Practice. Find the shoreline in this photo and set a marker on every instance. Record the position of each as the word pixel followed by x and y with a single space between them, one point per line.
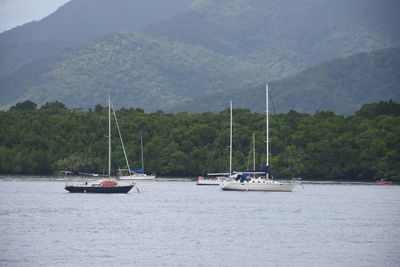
pixel 165 179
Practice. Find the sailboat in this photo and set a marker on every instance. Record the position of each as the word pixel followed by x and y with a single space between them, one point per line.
pixel 138 174
pixel 107 185
pixel 252 181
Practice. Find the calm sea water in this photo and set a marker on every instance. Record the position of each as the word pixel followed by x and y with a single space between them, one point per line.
pixel 173 223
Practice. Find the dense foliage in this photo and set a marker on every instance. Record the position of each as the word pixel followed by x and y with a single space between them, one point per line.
pixel 341 85
pixel 77 22
pixel 213 46
pixel 320 146
pixel 141 71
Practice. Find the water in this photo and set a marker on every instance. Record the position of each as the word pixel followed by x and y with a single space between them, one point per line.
pixel 180 224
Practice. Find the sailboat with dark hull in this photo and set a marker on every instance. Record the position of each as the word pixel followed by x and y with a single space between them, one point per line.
pixel 107 185
pixel 99 187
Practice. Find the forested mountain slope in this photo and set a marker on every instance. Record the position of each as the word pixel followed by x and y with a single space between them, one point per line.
pixel 77 22
pixel 210 47
pixel 285 35
pixel 341 85
pixel 139 71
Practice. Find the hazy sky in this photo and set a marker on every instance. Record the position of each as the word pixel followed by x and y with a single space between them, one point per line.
pixel 18 12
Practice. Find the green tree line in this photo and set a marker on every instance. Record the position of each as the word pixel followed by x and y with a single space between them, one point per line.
pixel 324 145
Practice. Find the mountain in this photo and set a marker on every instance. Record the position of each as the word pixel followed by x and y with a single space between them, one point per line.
pixel 341 85
pixel 285 36
pixel 136 69
pixel 79 21
pixel 211 48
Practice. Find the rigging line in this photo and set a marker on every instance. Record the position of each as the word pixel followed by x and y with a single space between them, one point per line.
pixel 212 158
pixel 249 158
pixel 215 144
pixel 239 148
pixel 120 137
pixel 237 152
pixel 240 141
pixel 141 149
pixel 240 145
pixel 90 144
pixel 284 135
pixel 252 153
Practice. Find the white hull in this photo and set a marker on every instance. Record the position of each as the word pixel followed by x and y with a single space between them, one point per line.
pixel 138 177
pixel 208 182
pixel 257 185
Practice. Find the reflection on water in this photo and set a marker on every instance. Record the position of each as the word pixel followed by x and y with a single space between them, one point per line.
pixel 173 223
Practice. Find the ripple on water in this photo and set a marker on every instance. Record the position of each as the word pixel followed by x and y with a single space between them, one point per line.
pixel 179 224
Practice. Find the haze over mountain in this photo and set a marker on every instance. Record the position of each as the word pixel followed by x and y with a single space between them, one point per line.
pixel 77 22
pixel 211 48
pixel 18 12
pixel 342 85
pixel 285 35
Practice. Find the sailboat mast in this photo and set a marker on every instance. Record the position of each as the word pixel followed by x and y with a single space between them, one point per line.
pixel 254 152
pixel 141 146
pixel 267 130
pixel 109 136
pixel 230 143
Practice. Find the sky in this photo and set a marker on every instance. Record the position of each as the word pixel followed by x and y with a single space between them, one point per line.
pixel 18 12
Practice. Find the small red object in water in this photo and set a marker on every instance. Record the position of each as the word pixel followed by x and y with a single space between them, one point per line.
pixel 384 182
pixel 108 183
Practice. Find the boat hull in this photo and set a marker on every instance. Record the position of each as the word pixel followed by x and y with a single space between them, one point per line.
pixel 137 177
pixel 208 182
pixel 122 189
pixel 250 186
pixel 384 182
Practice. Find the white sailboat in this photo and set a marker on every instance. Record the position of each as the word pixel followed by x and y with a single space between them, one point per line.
pixel 137 174
pixel 242 181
